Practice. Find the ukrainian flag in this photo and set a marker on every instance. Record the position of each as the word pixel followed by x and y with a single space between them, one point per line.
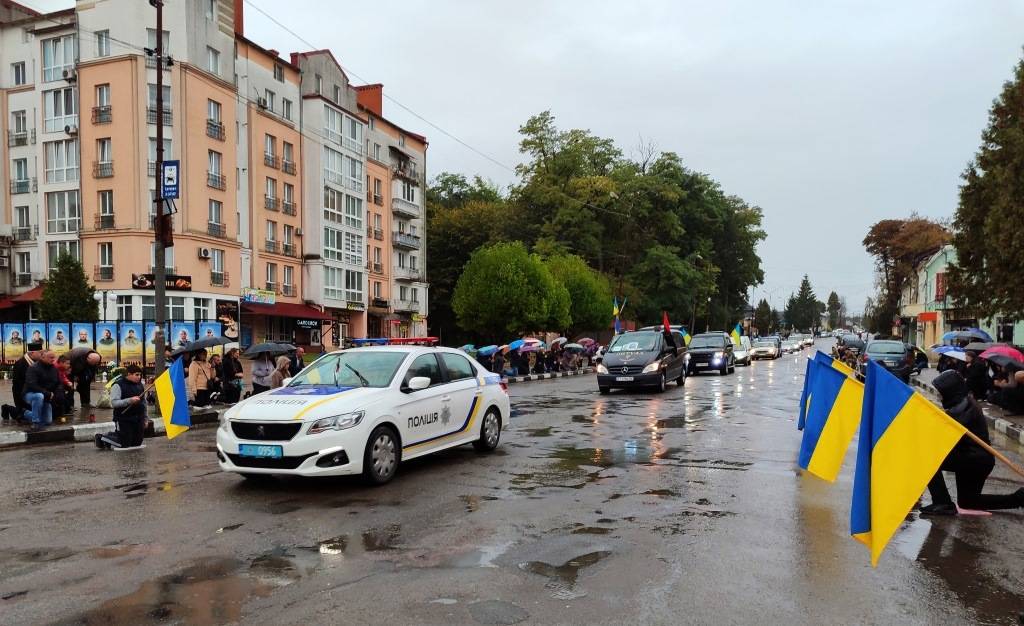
pixel 825 359
pixel 686 335
pixel 805 394
pixel 903 440
pixel 833 413
pixel 736 334
pixel 173 399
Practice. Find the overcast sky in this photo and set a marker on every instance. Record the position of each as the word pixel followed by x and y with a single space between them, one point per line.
pixel 828 115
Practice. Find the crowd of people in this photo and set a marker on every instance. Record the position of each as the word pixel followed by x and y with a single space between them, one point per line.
pixel 215 379
pixel 518 363
pixel 1001 385
pixel 44 385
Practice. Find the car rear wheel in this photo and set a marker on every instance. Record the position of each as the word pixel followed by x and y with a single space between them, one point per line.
pixel 490 432
pixel 382 455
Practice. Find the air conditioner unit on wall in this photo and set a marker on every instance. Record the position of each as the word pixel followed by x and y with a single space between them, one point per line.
pixel 298 232
pixel 204 253
pixel 70 75
pixel 71 129
pixel 261 102
pixel 5 262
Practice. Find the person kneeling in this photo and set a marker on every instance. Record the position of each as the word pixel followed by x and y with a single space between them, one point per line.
pixel 127 396
pixel 968 461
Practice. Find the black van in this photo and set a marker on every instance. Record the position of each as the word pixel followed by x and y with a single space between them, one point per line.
pixel 643 358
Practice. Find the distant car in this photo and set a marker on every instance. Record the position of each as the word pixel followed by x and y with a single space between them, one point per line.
pixel 808 340
pixel 790 346
pixel 766 348
pixel 643 358
pixel 741 352
pixel 893 355
pixel 712 351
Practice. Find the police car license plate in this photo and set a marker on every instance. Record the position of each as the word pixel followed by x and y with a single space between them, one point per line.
pixel 623 379
pixel 267 452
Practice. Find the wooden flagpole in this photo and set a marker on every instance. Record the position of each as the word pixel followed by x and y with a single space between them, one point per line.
pixel 978 440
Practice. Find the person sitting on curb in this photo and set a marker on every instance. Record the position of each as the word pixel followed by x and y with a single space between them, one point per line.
pixel 42 384
pixel 19 411
pixel 127 398
pixel 968 461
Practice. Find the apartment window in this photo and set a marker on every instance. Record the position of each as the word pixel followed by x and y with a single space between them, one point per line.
pixel 61 160
pixel 21 217
pixel 353 285
pixel 415 294
pixel 217 260
pixel 212 60
pixel 401 140
pixel 353 248
pixel 103 95
pixel 58 56
pixel 287 152
pixel 271 189
pixel 354 169
pixel 213 111
pixel 403 293
pixel 271 230
pixel 412 262
pixel 201 309
pixel 337 94
pixel 19 122
pixel 333 244
pixel 333 278
pixel 334 121
pixel 24 264
pixel 377 221
pixel 289 234
pixel 103 43
pixel 286 108
pixel 216 213
pixel 152 153
pixel 376 152
pixel 269 145
pixel 288 278
pixel 168 257
pixel 354 212
pixel 59 109
pixel 151 112
pixel 318 84
pixel 408 191
pixel 333 205
pixel 333 166
pixel 354 130
pixel 269 96
pixel 20 170
pixel 214 161
pixel 210 9
pixel 55 249
pixel 106 254
pixel 151 40
pixel 124 308
pixel 18 76
pixel 278 72
pixel 376 289
pixel 288 196
pixel 271 275
pixel 105 202
pixel 148 307
pixel 104 150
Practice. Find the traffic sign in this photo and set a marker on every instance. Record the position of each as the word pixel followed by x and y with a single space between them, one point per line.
pixel 169 179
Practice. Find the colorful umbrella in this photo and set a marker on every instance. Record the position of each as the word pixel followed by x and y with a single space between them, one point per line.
pixel 1009 351
pixel 487 350
pixel 1006 362
pixel 955 353
pixel 558 341
pixel 533 340
pixel 515 345
pixel 585 341
pixel 575 347
pixel 971 334
pixel 978 346
pixel 468 347
pixel 531 347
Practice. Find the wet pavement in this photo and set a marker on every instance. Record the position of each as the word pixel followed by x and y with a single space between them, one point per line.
pixel 682 507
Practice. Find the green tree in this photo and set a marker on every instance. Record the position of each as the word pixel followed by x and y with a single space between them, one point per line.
pixel 987 234
pixel 506 290
pixel 775 322
pixel 763 317
pixel 590 295
pixel 835 307
pixel 67 294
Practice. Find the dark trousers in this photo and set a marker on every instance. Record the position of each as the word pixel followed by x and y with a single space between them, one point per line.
pixel 129 432
pixel 232 393
pixel 84 388
pixel 970 480
pixel 256 388
pixel 202 397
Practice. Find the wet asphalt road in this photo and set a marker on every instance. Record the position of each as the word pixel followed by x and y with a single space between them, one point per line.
pixel 682 507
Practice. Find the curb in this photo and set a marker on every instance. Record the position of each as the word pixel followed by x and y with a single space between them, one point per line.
pixel 87 432
pixel 1011 430
pixel 524 379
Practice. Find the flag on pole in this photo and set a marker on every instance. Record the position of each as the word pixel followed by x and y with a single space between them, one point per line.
pixel 833 414
pixel 821 357
pixel 615 314
pixel 903 440
pixel 173 399
pixel 686 336
pixel 666 327
pixel 805 394
pixel 736 333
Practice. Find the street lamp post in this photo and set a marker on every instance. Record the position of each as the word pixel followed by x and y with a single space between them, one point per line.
pixel 102 298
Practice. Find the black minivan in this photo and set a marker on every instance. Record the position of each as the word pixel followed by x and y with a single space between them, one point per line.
pixel 643 358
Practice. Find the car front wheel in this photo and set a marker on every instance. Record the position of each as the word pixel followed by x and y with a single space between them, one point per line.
pixel 382 455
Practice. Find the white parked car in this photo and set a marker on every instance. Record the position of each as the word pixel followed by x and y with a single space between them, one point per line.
pixel 741 352
pixel 364 411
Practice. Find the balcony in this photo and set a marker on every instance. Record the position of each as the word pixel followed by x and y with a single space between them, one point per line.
pixel 378 303
pixel 215 129
pixel 215 229
pixel 103 169
pixel 270 286
pixel 102 114
pixel 23 185
pixel 151 116
pixel 151 61
pixel 406 306
pixel 288 290
pixel 408 171
pixel 103 273
pixel 407 274
pixel 104 222
pixel 288 208
pixel 377 268
pixel 405 208
pixel 270 160
pixel 288 167
pixel 23 280
pixel 24 233
pixel 378 199
pixel 20 137
pixel 216 180
pixel 353 145
pixel 170 269
pixel 271 246
pixel 289 249
pixel 271 203
pixel 219 279
pixel 403 240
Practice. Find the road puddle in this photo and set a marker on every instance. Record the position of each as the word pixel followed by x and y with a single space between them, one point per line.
pixel 563 579
pixel 539 432
pixel 592 530
pixel 382 539
pixel 473 502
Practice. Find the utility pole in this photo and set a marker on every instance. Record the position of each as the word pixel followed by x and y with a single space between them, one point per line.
pixel 162 225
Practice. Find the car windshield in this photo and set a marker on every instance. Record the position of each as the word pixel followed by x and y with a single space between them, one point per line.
pixel 635 342
pixel 764 344
pixel 352 368
pixel 887 347
pixel 707 342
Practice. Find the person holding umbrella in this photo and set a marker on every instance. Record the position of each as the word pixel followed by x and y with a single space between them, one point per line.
pixel 262 369
pixel 233 376
pixel 976 375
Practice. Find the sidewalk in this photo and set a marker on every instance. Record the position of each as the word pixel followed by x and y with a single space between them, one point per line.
pixel 525 379
pixel 1010 425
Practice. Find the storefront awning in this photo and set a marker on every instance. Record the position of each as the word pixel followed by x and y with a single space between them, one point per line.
pixel 285 309
pixel 5 303
pixel 32 295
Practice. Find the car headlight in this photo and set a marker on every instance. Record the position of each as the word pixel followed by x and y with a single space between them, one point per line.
pixel 719 355
pixel 223 419
pixel 336 422
pixel 653 367
pixel 601 369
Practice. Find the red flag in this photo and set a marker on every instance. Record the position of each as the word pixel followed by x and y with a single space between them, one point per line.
pixel 664 321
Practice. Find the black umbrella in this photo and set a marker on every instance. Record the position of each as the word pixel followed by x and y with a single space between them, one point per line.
pixel 266 348
pixel 978 346
pixel 1006 362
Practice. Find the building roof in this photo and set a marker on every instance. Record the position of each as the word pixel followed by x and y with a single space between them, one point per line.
pixel 274 54
pixel 296 55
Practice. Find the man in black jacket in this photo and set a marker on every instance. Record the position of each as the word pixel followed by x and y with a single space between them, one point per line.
pixel 970 462
pixel 42 384
pixel 84 362
pixel 20 408
pixel 976 374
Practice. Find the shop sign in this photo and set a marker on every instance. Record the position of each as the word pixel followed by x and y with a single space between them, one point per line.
pixel 172 282
pixel 354 305
pixel 258 296
pixel 307 323
pixel 416 317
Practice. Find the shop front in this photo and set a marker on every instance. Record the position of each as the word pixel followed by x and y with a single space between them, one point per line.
pixel 282 322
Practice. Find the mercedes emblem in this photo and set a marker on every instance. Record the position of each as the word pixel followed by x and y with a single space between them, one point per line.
pixel 625 370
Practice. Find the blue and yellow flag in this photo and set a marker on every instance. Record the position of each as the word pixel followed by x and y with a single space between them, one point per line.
pixel 615 315
pixel 173 399
pixel 833 413
pixel 821 357
pixel 686 335
pixel 903 440
pixel 736 334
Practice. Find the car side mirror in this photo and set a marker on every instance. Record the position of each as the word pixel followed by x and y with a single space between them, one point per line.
pixel 416 383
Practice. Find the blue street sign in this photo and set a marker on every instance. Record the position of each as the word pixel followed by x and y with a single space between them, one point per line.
pixel 169 179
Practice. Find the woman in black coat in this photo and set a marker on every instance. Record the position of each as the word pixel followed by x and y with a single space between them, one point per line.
pixel 976 375
pixel 970 462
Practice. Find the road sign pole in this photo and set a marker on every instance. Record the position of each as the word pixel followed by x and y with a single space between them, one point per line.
pixel 160 222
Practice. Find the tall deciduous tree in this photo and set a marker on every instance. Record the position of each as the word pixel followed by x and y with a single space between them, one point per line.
pixel 67 295
pixel 988 236
pixel 590 295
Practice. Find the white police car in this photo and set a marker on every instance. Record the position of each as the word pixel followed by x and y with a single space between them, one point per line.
pixel 363 411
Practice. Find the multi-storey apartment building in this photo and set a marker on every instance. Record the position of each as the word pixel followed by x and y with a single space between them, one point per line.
pixel 397 159
pixel 280 209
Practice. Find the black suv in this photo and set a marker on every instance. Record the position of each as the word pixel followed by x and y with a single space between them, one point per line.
pixel 712 351
pixel 643 358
